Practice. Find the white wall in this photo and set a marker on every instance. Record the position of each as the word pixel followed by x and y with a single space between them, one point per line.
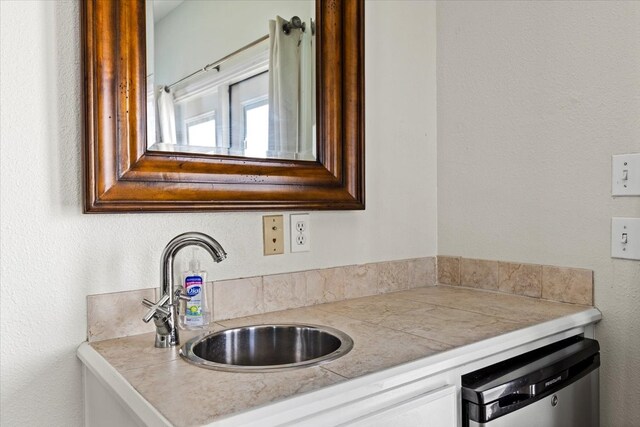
pixel 533 99
pixel 53 255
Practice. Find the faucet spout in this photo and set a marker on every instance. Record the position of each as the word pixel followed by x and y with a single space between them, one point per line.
pixel 165 312
pixel 202 240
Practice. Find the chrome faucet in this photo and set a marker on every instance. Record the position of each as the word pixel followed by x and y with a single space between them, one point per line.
pixel 165 312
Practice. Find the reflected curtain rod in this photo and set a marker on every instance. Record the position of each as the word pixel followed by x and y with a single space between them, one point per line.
pixel 216 65
pixel 294 23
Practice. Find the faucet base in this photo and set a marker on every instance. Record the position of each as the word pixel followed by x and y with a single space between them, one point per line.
pixel 167 330
pixel 166 341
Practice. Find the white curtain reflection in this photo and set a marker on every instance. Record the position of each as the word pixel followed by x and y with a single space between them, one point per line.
pixel 291 90
pixel 167 117
pixel 284 78
pixel 307 108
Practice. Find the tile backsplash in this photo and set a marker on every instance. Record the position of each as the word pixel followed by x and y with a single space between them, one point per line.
pixel 567 284
pixel 479 273
pixel 563 284
pixel 263 294
pixel 118 311
pixel 449 270
pixel 520 279
pixel 120 314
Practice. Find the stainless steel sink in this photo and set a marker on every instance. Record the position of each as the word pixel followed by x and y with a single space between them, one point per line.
pixel 267 348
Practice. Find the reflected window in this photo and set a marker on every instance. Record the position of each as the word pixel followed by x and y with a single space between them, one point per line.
pixel 256 128
pixel 201 131
pixel 249 110
pixel 206 69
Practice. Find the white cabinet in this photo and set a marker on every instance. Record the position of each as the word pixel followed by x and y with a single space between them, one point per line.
pixel 405 405
pixel 433 409
pixel 420 403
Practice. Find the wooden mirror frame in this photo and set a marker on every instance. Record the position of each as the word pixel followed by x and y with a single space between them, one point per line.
pixel 121 176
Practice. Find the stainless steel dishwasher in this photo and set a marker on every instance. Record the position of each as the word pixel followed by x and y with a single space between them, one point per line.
pixel 553 386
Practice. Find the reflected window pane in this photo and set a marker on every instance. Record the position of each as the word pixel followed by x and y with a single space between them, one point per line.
pixel 202 132
pixel 246 97
pixel 256 129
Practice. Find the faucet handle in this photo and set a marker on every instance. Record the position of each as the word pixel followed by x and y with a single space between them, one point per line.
pixel 155 308
pixel 181 295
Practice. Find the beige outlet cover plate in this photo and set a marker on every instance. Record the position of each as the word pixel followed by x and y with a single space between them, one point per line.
pixel 273 232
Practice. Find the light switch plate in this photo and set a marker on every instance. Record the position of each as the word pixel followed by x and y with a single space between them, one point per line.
pixel 625 175
pixel 273 234
pixel 625 238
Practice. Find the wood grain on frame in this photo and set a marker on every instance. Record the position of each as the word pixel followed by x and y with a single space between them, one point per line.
pixel 120 176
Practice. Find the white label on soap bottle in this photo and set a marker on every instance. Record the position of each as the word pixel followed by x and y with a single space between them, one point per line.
pixel 194 288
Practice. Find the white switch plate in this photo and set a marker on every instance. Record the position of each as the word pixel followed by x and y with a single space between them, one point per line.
pixel 300 232
pixel 625 175
pixel 625 230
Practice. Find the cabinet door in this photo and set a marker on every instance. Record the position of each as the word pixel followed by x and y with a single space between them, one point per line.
pixel 436 408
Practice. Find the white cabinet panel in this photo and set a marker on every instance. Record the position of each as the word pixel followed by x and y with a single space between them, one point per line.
pixel 102 408
pixel 434 409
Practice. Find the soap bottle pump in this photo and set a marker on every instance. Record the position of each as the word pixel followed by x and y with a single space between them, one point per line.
pixel 196 312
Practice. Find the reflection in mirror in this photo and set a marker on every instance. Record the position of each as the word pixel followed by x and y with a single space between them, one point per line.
pixel 232 78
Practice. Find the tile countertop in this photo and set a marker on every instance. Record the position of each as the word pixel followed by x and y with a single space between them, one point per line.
pixel 387 330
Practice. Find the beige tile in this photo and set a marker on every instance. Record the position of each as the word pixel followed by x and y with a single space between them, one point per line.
pixel 479 273
pixel 377 347
pixel 324 285
pixel 450 326
pixel 422 272
pixel 489 303
pixel 360 280
pixel 198 396
pixel 448 268
pixel 236 298
pixel 520 279
pixel 282 291
pixel 118 314
pixel 374 309
pixel 393 276
pixel 574 285
pixel 139 350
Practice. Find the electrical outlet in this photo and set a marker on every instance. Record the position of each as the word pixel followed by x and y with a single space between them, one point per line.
pixel 273 233
pixel 300 233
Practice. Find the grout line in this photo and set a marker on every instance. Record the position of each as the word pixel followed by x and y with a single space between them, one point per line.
pixel 334 372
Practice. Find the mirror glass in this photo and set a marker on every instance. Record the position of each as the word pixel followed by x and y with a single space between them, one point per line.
pixel 232 77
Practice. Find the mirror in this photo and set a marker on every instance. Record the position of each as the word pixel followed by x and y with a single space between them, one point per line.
pixel 231 77
pixel 128 169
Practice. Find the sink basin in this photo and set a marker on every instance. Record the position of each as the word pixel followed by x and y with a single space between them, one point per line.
pixel 267 348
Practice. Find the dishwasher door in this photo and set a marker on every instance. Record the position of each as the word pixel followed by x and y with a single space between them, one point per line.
pixel 554 386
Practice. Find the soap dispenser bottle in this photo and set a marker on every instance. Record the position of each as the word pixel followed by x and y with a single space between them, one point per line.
pixel 196 312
